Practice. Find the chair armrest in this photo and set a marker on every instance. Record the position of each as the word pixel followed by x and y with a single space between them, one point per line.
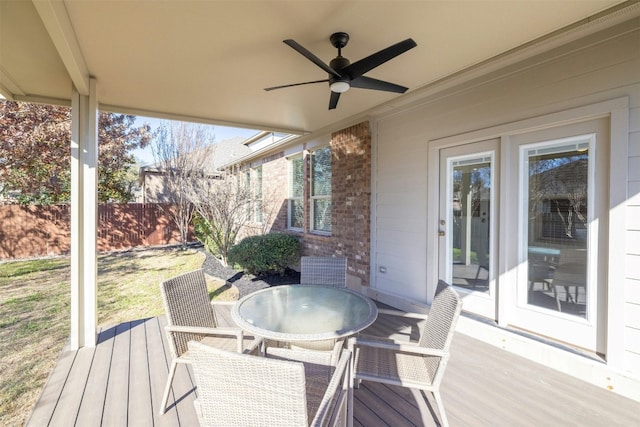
pixel 398 313
pixel 200 330
pixel 397 346
pixel 312 357
pixel 255 349
pixel 217 302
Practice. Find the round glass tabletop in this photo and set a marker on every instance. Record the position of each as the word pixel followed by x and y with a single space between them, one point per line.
pixel 304 312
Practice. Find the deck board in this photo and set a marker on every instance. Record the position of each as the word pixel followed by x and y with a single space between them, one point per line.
pixel 223 315
pixel 140 405
pixel 117 394
pixel 183 391
pixel 90 412
pixel 120 382
pixel 68 405
pixel 159 360
pixel 388 406
pixel 50 395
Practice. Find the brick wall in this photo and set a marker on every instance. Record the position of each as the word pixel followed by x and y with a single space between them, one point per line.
pixel 351 195
pixel 275 190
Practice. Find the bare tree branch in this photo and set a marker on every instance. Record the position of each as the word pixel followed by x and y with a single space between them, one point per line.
pixel 223 204
pixel 181 151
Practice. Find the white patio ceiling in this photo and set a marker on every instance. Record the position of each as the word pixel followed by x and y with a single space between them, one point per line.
pixel 210 60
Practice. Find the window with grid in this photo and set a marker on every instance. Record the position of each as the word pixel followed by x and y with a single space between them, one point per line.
pixel 257 194
pixel 321 190
pixel 296 186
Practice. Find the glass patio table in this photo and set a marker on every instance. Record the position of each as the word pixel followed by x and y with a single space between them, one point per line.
pixel 304 312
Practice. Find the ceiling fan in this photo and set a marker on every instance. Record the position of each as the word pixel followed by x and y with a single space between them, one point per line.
pixel 344 75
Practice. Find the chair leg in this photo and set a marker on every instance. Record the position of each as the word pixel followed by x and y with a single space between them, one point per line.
pixel 167 388
pixel 353 381
pixel 349 385
pixel 555 294
pixel 443 415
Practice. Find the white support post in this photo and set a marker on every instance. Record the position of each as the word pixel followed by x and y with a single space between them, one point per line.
pixel 84 217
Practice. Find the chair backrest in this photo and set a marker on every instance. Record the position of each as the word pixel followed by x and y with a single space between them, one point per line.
pixel 441 323
pixel 315 270
pixel 187 303
pixel 237 389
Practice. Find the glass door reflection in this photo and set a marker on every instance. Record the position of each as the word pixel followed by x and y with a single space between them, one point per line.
pixel 557 188
pixel 470 183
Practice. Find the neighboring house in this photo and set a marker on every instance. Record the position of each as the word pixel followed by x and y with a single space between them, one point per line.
pixel 152 177
pixel 386 198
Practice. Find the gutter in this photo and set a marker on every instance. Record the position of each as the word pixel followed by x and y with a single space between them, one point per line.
pixel 261 152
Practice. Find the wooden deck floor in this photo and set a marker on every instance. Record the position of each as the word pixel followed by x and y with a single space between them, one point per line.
pixel 120 383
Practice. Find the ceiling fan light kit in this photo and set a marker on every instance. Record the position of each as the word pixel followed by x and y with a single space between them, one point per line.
pixel 344 75
pixel 340 87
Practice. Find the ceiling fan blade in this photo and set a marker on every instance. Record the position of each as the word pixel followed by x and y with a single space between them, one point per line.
pixel 333 101
pixel 375 84
pixel 295 84
pixel 360 67
pixel 311 57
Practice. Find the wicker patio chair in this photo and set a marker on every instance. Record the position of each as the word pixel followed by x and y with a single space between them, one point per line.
pixel 191 316
pixel 245 390
pixel 315 270
pixel 418 365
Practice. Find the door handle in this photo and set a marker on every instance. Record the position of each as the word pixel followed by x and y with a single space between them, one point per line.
pixel 441 233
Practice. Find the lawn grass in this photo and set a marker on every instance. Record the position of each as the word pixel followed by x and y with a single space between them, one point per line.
pixel 35 310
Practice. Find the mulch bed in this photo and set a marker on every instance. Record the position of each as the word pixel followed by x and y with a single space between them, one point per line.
pixel 246 283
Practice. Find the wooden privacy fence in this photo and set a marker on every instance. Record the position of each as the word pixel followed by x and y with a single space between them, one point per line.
pixel 32 231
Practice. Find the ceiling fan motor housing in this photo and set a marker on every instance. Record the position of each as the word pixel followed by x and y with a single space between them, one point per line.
pixel 339 40
pixel 338 63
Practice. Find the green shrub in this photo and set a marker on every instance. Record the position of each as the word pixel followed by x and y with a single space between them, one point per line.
pixel 203 231
pixel 267 254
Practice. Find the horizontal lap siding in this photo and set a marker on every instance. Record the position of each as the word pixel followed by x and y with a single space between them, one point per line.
pixel 400 212
pixel 632 281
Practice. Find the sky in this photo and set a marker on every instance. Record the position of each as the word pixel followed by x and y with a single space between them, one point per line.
pixel 222 133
